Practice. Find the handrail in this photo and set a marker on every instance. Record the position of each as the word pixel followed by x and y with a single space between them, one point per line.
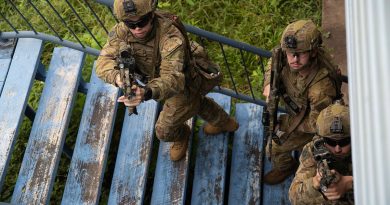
pixel 49 38
pixel 213 36
pixel 227 41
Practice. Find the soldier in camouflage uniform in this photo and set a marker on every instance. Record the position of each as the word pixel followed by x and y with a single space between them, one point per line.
pixel 305 188
pixel 161 53
pixel 308 86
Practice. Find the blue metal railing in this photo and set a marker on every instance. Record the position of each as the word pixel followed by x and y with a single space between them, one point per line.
pixel 224 44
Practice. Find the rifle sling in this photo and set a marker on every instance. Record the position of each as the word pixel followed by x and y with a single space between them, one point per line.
pixel 297 120
pixel 289 102
pixel 156 49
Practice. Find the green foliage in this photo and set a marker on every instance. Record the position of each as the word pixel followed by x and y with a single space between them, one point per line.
pixel 258 23
pixel 255 22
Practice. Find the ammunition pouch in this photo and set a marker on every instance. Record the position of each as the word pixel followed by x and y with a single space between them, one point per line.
pixel 210 77
pixel 208 71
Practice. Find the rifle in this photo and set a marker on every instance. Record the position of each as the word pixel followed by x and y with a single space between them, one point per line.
pixel 270 111
pixel 323 158
pixel 129 77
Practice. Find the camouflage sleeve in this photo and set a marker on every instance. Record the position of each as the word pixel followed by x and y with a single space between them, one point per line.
pixel 172 79
pixel 301 190
pixel 267 73
pixel 321 95
pixel 105 64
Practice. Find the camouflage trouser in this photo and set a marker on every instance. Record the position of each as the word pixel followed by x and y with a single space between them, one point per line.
pixel 282 154
pixel 178 109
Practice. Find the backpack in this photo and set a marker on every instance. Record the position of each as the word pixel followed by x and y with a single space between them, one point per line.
pixel 333 70
pixel 196 57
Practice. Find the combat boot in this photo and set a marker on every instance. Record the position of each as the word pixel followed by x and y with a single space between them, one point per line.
pixel 230 126
pixel 276 176
pixel 179 148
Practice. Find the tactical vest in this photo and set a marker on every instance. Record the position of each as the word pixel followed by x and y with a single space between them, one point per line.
pixel 202 75
pixel 295 88
pixel 147 51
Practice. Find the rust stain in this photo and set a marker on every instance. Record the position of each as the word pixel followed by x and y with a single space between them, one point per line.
pixel 88 178
pixel 102 110
pixel 218 189
pixel 144 152
pixel 124 196
pixel 40 178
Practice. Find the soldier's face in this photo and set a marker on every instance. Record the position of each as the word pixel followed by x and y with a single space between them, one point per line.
pixel 297 60
pixel 140 29
pixel 339 151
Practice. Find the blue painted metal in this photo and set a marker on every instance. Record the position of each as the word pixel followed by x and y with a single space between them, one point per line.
pixel 44 148
pixel 246 163
pixel 4 66
pixel 227 41
pixel 134 155
pixel 171 178
pixel 276 194
pixel 41 73
pixel 53 39
pixel 6 49
pixel 211 161
pixel 106 2
pixel 14 97
pixel 87 167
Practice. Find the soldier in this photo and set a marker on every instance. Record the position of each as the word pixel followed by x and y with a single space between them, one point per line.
pixel 162 56
pixel 310 82
pixel 333 132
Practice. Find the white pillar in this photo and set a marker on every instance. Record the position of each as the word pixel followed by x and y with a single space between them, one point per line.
pixel 368 51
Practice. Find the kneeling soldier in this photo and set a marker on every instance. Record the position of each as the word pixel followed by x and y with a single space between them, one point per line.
pixel 324 175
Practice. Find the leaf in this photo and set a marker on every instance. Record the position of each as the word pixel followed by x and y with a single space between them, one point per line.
pixel 190 2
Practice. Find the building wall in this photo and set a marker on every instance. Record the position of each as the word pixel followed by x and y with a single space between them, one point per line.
pixel 368 52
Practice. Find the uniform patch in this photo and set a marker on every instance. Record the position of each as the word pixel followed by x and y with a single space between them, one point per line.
pixel 112 35
pixel 172 44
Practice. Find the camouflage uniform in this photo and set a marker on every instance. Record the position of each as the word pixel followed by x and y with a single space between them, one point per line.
pixel 314 92
pixel 302 190
pixel 171 79
pixel 332 123
pixel 317 94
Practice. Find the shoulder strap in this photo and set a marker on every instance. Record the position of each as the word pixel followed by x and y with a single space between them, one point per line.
pixel 175 20
pixel 297 119
pixel 334 71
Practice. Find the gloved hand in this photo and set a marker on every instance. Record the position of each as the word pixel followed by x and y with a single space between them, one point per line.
pixel 134 101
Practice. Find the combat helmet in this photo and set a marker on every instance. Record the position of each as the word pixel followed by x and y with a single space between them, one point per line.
pixel 125 9
pixel 301 36
pixel 333 121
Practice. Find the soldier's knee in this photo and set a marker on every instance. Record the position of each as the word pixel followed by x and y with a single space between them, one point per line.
pixel 161 133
